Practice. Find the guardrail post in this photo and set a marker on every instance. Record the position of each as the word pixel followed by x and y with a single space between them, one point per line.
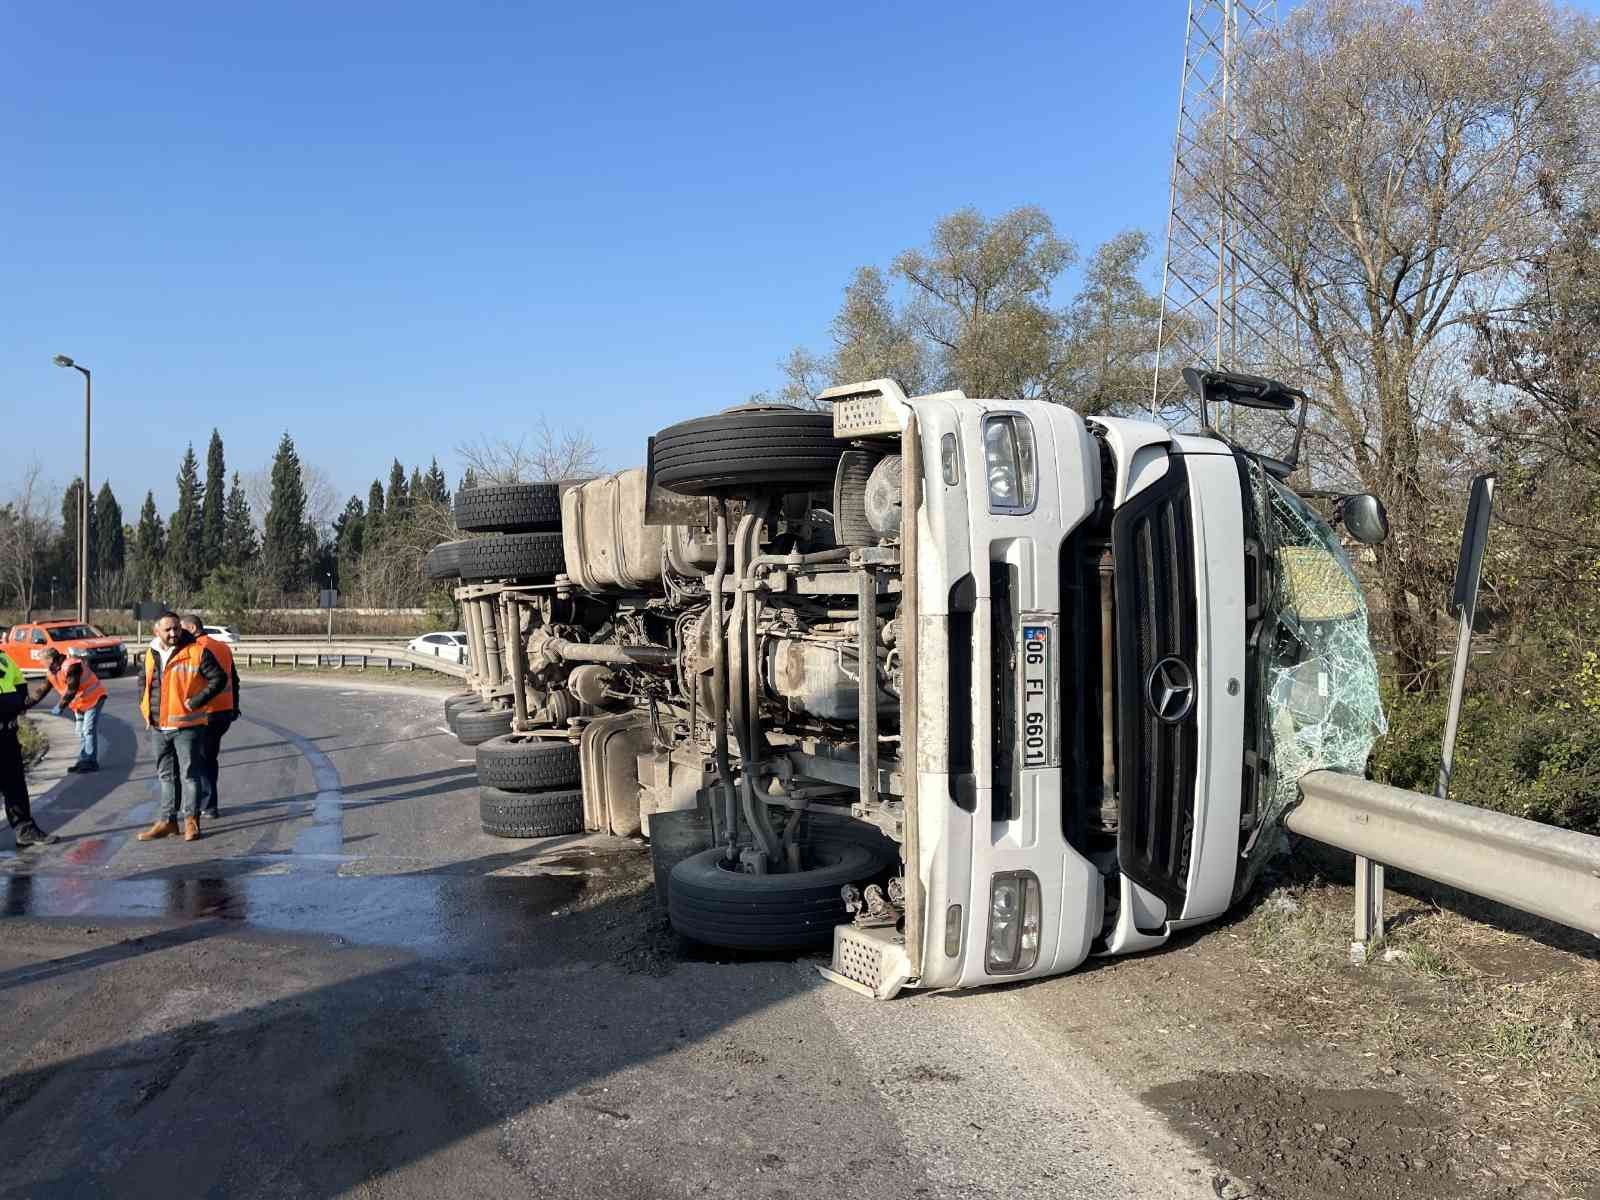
pixel 1369 908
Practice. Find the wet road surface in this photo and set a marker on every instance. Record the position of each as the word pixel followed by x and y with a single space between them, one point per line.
pixel 345 988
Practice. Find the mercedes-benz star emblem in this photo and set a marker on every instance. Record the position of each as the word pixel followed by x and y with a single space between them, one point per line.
pixel 1169 690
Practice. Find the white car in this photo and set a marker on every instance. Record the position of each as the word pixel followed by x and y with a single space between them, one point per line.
pixel 451 646
pixel 221 633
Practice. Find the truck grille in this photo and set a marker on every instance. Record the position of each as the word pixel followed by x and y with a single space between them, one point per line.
pixel 1153 547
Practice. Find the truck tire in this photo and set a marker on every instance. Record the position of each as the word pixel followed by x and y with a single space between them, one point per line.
pixel 509 508
pixel 818 824
pixel 516 764
pixel 534 556
pixel 530 814
pixel 475 726
pixel 754 450
pixel 443 561
pixel 720 907
pixel 460 703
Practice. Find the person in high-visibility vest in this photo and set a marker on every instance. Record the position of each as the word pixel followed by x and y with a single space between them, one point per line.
pixel 15 699
pixel 84 696
pixel 223 713
pixel 181 679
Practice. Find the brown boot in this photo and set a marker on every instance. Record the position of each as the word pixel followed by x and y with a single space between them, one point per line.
pixel 191 829
pixel 160 829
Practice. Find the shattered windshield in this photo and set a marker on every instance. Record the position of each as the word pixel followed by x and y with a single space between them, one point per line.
pixel 1316 670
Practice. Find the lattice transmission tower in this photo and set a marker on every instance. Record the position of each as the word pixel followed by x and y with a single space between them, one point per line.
pixel 1214 308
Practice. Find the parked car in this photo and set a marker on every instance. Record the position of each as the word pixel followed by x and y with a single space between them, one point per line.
pixel 451 646
pixel 28 644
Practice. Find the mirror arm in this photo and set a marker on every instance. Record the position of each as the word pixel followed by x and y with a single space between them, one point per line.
pixel 1299 435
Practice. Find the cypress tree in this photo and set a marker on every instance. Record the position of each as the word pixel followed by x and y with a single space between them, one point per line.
pixel 374 525
pixel 395 502
pixel 284 546
pixel 149 546
pixel 349 533
pixel 434 486
pixel 110 546
pixel 184 533
pixel 213 511
pixel 239 530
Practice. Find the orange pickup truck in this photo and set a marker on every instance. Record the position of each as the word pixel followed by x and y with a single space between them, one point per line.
pixel 29 643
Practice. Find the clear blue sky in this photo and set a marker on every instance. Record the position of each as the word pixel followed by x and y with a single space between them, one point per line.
pixel 391 228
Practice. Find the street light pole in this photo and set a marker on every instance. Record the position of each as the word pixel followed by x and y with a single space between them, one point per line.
pixel 61 360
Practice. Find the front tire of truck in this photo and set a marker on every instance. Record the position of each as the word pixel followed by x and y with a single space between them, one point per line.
pixel 709 902
pixel 747 452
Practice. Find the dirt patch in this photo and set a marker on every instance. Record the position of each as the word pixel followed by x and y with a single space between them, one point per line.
pixel 1470 1043
pixel 1306 1143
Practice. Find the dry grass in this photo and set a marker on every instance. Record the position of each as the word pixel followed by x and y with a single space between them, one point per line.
pixel 421 678
pixel 1507 1022
pixel 34 743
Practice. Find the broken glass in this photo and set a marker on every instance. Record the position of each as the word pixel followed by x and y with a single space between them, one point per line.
pixel 1316 669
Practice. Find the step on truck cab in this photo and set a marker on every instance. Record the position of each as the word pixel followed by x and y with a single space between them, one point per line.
pixel 972 688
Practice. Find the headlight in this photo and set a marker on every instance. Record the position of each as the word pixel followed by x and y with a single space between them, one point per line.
pixel 1009 463
pixel 1013 923
pixel 76 652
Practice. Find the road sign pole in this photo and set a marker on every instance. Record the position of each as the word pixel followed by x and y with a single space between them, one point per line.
pixel 1474 539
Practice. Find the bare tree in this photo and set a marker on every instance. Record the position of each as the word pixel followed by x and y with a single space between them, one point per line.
pixel 25 531
pixel 548 454
pixel 1399 159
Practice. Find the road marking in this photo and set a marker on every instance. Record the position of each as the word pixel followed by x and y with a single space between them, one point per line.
pixel 325 835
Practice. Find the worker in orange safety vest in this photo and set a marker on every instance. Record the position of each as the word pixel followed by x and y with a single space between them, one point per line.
pixel 182 681
pixel 221 713
pixel 82 694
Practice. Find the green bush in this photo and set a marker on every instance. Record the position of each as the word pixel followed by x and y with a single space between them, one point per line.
pixel 1539 760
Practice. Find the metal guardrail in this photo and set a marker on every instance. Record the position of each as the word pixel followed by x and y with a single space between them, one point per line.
pixel 365 639
pixel 341 654
pixel 1552 873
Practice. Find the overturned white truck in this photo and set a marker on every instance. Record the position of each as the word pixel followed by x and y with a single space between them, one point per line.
pixel 973 688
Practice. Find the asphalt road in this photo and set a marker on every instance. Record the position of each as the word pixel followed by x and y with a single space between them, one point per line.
pixel 345 988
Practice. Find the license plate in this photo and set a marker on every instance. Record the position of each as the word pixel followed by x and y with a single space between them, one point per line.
pixel 1040 692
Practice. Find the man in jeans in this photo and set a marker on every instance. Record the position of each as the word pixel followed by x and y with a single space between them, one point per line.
pixel 82 693
pixel 224 710
pixel 181 679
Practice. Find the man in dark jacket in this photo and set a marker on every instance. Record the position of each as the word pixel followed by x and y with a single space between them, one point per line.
pixel 15 699
pixel 182 685
pixel 217 723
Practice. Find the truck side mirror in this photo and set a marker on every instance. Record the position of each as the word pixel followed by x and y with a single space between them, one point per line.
pixel 1364 518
